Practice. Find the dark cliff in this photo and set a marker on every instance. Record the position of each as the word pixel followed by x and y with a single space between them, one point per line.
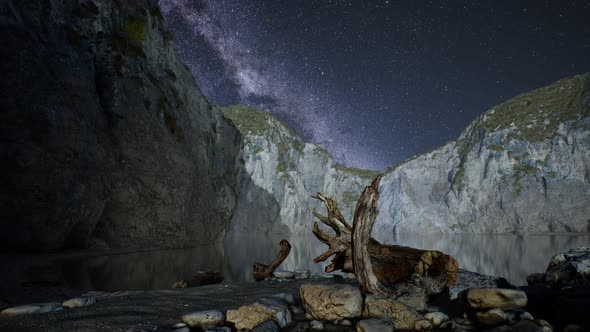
pixel 105 137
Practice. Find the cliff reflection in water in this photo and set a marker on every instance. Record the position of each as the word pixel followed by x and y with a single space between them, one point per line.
pixel 511 256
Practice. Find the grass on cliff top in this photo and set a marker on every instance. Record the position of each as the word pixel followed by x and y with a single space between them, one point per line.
pixel 537 114
pixel 250 119
pixel 363 173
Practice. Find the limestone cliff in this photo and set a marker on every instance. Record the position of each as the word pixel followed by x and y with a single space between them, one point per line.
pixel 281 172
pixel 104 135
pixel 522 166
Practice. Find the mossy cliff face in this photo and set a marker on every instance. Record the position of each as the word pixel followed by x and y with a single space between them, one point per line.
pixel 522 166
pixel 280 174
pixel 105 136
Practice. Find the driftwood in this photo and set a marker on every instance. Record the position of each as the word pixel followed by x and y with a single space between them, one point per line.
pixel 262 271
pixel 199 279
pixel 379 268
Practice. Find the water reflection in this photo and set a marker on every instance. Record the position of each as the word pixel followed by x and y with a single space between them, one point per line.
pixel 511 256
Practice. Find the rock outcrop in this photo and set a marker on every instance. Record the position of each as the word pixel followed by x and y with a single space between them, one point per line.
pixel 105 137
pixel 280 173
pixel 521 167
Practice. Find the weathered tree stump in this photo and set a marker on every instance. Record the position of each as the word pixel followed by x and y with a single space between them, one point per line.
pixel 383 270
pixel 262 271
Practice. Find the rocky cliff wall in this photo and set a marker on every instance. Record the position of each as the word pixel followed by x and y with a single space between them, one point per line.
pixel 521 167
pixel 280 174
pixel 105 138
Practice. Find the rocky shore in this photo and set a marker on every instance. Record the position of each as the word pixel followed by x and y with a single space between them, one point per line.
pixel 297 301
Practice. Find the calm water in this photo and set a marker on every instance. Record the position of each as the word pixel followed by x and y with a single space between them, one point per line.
pixel 513 257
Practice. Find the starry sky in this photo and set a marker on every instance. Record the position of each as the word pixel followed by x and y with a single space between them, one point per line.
pixel 376 82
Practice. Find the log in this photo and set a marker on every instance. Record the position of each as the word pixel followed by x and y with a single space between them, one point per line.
pixel 379 269
pixel 262 271
pixel 200 278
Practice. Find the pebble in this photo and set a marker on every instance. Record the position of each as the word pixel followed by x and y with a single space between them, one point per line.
pixel 492 317
pixel 316 325
pixel 80 301
pixel 302 274
pixel 267 326
pixel 345 322
pixel 20 310
pixel 573 328
pixel 374 325
pixel 52 306
pixel 422 325
pixel 182 329
pixel 219 329
pixel 448 325
pixel 204 319
pixel 285 297
pixel 436 318
pixel 283 274
pixel 515 316
pixel 325 275
pixel 179 325
pixel 296 309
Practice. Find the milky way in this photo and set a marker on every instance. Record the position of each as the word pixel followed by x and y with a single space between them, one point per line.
pixel 376 82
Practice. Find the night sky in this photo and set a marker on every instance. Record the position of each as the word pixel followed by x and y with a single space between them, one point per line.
pixel 376 82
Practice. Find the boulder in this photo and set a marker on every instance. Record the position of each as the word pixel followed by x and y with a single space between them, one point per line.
pixel 402 316
pixel 331 302
pixel 248 316
pixel 569 268
pixel 489 298
pixel 204 319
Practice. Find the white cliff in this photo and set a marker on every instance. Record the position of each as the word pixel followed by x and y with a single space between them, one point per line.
pixel 280 174
pixel 521 167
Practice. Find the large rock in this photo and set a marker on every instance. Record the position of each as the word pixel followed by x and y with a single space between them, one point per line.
pixel 402 316
pixel 331 302
pixel 105 136
pixel 251 315
pixel 520 167
pixel 569 268
pixel 490 298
